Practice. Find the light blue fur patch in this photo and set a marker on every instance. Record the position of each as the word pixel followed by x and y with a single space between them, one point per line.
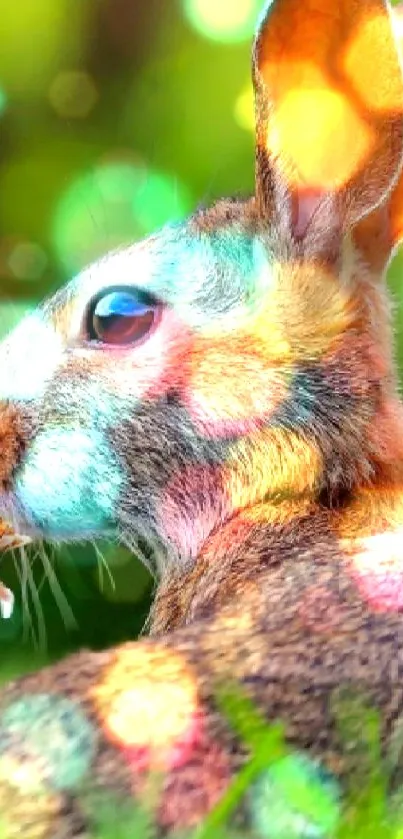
pixel 204 278
pixel 69 484
pixel 295 799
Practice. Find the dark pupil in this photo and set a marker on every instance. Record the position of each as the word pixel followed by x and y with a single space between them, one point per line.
pixel 122 317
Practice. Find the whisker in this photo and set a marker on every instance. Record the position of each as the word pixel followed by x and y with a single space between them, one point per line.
pixel 41 643
pixel 102 564
pixel 20 561
pixel 134 544
pixel 64 607
pixel 148 551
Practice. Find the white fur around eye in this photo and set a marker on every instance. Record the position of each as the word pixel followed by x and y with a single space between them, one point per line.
pixel 209 284
pixel 29 358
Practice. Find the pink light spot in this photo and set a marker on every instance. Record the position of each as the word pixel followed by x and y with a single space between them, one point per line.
pixel 377 570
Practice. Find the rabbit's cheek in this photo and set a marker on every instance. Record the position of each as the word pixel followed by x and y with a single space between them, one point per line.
pixel 233 390
pixel 141 373
pixel 69 484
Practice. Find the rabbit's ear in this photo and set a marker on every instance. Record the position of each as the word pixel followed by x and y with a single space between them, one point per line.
pixel 396 198
pixel 381 231
pixel 329 105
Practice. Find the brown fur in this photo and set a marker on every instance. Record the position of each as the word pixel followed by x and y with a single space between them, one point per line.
pixel 296 592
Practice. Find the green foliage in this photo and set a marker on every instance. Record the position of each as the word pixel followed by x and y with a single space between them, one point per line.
pixel 266 744
pixel 367 812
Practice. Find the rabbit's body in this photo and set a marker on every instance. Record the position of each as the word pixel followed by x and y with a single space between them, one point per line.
pixel 250 432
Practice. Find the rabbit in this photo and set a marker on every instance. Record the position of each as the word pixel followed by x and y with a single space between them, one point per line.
pixel 225 392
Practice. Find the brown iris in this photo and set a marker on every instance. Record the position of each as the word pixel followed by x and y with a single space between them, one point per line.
pixel 121 316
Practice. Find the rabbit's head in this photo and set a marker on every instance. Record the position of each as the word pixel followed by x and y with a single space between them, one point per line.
pixel 244 354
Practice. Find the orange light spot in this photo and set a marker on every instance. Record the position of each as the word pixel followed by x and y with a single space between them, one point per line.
pixel 372 67
pixel 307 120
pixel 375 511
pixel 24 775
pixel 313 322
pixel 28 808
pixel 233 385
pixel 148 699
pixel 270 330
pixel 283 466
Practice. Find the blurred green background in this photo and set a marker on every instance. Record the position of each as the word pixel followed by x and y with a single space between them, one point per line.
pixel 115 116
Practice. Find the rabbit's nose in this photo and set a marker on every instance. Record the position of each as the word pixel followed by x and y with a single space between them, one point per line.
pixel 12 443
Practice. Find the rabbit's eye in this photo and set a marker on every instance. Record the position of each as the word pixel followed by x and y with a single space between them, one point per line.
pixel 121 316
